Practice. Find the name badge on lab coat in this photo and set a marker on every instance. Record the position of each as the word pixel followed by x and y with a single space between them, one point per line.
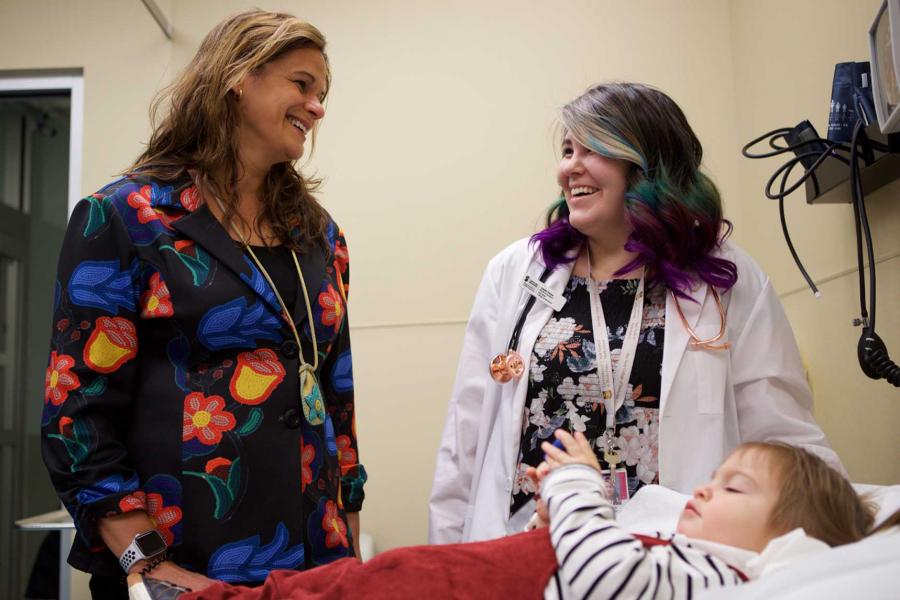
pixel 542 292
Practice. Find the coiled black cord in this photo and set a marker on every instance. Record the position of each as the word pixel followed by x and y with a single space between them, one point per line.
pixel 871 350
pixel 802 150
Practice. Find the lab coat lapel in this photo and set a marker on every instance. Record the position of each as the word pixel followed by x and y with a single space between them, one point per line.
pixel 677 337
pixel 540 314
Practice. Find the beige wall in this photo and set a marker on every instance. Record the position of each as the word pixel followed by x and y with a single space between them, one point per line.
pixel 438 151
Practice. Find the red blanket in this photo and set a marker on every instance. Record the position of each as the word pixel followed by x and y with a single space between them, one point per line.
pixel 517 566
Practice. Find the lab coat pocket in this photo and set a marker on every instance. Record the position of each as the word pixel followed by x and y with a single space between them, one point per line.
pixel 710 371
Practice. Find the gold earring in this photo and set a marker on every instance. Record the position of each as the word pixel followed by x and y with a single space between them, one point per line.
pixel 240 93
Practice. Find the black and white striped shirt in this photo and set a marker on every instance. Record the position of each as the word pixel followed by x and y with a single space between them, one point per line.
pixel 598 559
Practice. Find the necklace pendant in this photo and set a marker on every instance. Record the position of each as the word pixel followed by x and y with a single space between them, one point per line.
pixel 311 396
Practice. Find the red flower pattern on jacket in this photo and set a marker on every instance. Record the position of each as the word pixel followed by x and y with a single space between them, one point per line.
pixel 190 198
pixel 205 418
pixel 156 301
pixel 332 307
pixel 307 456
pixel 334 526
pixel 346 454
pixel 67 427
pixel 59 380
pixel 341 256
pixel 163 517
pixel 219 467
pixel 140 201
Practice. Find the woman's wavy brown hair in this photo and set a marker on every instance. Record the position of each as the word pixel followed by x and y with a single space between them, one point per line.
pixel 200 116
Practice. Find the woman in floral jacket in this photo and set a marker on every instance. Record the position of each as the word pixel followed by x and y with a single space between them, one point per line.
pixel 200 386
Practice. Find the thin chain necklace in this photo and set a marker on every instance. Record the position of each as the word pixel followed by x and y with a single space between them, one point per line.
pixel 311 396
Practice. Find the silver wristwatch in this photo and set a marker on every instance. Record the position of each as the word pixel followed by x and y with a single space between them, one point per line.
pixel 144 545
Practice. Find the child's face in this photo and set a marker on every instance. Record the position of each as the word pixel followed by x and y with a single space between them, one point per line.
pixel 735 507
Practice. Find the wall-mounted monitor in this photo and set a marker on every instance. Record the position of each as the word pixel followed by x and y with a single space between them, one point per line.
pixel 884 45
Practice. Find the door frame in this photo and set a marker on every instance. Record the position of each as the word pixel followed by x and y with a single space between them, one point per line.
pixel 72 81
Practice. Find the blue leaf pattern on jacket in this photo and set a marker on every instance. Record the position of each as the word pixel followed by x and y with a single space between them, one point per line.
pixel 245 560
pixel 342 373
pixel 260 285
pixel 330 441
pixel 178 350
pixel 100 284
pixel 114 484
pixel 234 324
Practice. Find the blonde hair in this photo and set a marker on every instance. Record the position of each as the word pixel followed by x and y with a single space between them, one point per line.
pixel 813 496
pixel 196 131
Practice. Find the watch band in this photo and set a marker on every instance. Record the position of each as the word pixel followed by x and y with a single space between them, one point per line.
pixel 135 550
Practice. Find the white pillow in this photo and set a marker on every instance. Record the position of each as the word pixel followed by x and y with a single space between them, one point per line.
pixel 886 497
pixel 866 570
pixel 653 509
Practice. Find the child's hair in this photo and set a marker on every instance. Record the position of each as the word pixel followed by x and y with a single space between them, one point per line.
pixel 814 496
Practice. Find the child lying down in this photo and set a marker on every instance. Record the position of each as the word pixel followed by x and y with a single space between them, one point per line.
pixel 767 505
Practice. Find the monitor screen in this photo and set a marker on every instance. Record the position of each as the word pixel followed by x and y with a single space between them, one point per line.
pixel 886 73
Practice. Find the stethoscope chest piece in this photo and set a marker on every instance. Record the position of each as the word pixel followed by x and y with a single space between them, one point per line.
pixel 505 367
pixel 510 365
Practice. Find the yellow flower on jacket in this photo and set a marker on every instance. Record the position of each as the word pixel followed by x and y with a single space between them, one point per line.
pixel 256 376
pixel 112 343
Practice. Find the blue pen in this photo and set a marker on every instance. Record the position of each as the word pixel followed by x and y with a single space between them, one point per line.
pixel 558 444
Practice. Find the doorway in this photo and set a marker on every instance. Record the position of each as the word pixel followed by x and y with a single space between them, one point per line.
pixel 36 118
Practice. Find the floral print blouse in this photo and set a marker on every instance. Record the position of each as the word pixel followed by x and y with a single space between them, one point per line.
pixel 563 385
pixel 173 385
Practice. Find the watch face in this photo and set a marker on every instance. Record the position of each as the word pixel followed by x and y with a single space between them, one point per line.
pixel 150 543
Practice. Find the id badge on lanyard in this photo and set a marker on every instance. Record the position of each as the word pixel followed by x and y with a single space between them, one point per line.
pixel 614 383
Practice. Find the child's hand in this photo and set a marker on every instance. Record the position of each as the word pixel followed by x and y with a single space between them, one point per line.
pixel 577 451
pixel 541 516
pixel 537 474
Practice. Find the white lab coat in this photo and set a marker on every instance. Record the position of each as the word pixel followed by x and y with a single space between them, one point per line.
pixel 710 401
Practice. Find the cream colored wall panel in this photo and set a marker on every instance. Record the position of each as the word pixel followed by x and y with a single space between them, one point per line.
pixel 404 376
pixel 861 416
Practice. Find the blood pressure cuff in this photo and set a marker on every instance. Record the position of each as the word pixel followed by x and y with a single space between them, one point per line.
pixel 851 100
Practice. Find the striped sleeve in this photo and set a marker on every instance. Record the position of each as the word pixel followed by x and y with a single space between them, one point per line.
pixel 597 559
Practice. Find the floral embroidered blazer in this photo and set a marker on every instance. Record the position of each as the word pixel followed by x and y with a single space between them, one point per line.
pixel 173 388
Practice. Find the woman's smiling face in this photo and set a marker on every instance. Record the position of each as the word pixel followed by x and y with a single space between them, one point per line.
pixel 594 186
pixel 279 104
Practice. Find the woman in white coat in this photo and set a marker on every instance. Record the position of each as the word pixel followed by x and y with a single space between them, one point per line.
pixel 629 318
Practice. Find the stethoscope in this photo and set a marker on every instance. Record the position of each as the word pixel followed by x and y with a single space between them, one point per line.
pixel 510 365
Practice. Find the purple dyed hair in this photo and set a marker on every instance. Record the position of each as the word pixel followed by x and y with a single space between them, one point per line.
pixel 675 210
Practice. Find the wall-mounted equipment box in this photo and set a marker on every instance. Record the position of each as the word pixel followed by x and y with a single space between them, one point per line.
pixel 831 182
